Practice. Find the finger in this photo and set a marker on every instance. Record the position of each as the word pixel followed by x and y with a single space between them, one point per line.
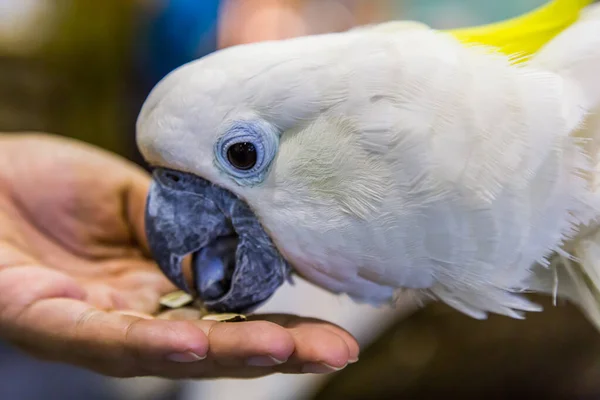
pixel 113 343
pixel 42 311
pixel 256 343
pixel 261 344
pixel 317 350
pixel 315 347
pixel 351 342
pixel 135 198
pixel 258 348
pixel 266 344
pixel 134 313
pixel 313 324
pixel 181 314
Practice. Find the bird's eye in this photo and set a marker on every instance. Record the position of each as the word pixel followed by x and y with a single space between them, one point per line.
pixel 246 150
pixel 242 155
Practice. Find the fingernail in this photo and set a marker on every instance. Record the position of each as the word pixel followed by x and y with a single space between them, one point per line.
pixel 263 361
pixel 313 368
pixel 353 361
pixel 186 357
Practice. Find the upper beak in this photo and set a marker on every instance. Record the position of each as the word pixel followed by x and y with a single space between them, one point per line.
pixel 236 266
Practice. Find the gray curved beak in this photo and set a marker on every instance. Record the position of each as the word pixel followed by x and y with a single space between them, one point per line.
pixel 235 265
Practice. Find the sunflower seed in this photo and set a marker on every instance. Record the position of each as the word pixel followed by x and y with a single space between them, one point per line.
pixel 225 317
pixel 176 299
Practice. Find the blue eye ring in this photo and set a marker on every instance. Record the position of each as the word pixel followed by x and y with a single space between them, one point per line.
pixel 257 134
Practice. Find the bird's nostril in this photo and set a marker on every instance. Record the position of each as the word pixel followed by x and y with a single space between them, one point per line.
pixel 172 177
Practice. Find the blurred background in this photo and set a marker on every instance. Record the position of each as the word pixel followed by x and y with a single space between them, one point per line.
pixel 82 69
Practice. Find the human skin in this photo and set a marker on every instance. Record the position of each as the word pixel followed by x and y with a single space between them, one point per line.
pixel 78 285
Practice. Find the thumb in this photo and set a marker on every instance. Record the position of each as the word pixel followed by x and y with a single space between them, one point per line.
pixel 136 194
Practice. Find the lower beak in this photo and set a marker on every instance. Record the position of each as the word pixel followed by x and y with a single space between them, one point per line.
pixel 235 265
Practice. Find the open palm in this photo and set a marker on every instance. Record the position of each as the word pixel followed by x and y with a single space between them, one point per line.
pixel 77 283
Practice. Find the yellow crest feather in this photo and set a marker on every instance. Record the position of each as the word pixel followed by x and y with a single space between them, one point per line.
pixel 524 35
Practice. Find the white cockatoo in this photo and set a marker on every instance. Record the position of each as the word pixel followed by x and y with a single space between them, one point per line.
pixel 458 166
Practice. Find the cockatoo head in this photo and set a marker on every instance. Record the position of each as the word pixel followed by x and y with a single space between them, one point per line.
pixel 213 131
pixel 248 170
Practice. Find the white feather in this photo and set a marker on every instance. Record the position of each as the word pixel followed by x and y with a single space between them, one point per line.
pixel 407 161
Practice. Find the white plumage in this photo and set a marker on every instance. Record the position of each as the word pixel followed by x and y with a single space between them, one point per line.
pixel 409 161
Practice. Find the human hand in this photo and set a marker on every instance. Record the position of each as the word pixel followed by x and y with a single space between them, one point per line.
pixel 77 284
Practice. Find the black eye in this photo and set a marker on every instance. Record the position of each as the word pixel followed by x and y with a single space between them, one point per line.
pixel 242 155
